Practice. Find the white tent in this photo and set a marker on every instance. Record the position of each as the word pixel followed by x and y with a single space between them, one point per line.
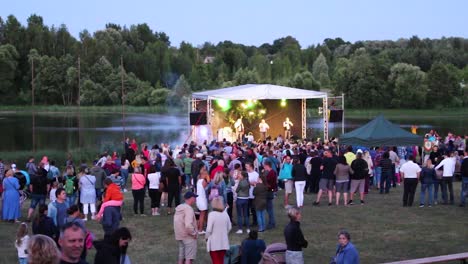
pixel 262 92
pixel 258 92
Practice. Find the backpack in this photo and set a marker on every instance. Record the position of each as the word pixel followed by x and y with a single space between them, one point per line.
pixel 214 192
pixel 52 173
pixel 70 185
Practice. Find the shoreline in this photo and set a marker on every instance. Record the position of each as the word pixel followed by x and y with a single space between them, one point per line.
pixel 349 113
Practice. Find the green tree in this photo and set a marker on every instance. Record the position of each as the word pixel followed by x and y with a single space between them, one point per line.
pixel 246 76
pixel 304 80
pixel 409 86
pixel 444 87
pixel 320 71
pixel 8 66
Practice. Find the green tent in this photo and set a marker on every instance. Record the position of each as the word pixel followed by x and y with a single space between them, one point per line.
pixel 380 132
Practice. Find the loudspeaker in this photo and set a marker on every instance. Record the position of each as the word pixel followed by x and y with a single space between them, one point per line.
pixel 336 116
pixel 197 118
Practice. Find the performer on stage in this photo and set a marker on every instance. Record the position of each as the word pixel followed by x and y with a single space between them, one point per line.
pixel 287 128
pixel 239 127
pixel 263 126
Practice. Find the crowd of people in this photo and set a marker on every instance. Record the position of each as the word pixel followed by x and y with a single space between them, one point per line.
pixel 232 185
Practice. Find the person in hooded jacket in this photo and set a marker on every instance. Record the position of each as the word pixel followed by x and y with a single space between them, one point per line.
pixel 114 249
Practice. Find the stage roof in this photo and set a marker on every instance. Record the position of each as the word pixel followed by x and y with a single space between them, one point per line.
pixel 258 92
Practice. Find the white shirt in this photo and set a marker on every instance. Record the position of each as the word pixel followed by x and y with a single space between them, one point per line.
pixel 449 166
pixel 263 127
pixel 52 196
pixel 410 170
pixel 21 249
pixel 238 125
pixel 153 179
pixel 253 178
pixel 287 125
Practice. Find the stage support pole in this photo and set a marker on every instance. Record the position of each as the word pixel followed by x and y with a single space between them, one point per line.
pixel 208 111
pixel 342 119
pixel 325 118
pixel 304 117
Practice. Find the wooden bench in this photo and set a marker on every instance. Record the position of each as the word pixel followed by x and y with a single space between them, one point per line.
pixel 462 257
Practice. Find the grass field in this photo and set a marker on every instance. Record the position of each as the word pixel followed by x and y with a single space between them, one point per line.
pixel 382 230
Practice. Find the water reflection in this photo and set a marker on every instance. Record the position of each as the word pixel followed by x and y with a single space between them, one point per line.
pixel 63 132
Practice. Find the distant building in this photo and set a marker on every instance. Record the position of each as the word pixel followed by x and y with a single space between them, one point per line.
pixel 209 59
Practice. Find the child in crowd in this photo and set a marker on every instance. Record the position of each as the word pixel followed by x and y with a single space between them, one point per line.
pixel 113 197
pixel 52 196
pixel 21 243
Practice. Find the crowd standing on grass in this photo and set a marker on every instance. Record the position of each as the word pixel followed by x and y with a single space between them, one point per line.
pixel 228 184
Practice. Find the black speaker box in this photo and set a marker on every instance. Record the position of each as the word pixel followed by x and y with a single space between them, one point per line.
pixel 336 115
pixel 197 118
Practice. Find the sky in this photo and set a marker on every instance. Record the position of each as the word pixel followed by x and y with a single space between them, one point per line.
pixel 254 22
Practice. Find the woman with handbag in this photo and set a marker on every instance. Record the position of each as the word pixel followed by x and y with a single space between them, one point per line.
pixel 154 189
pixel 138 191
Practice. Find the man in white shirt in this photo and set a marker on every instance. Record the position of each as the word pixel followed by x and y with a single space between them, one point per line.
pixel 447 176
pixel 239 127
pixel 253 178
pixel 263 126
pixel 410 172
pixel 287 128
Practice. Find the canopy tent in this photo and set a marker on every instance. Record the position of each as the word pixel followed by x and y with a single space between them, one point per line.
pixel 258 92
pixel 380 132
pixel 262 92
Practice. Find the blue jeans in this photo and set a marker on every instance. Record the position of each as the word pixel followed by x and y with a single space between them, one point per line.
pixel 188 180
pixel 37 199
pixel 71 199
pixel 99 194
pixel 437 185
pixel 385 179
pixel 23 260
pixel 447 182
pixel 271 214
pixel 242 206
pixel 261 220
pixel 124 174
pixel 377 175
pixel 464 190
pixel 429 187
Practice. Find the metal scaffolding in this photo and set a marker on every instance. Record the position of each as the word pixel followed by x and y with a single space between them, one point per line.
pixel 304 117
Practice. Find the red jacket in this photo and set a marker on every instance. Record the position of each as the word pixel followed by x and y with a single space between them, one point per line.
pixel 113 193
pixel 215 170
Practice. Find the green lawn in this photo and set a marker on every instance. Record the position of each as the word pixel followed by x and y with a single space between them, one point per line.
pixel 382 230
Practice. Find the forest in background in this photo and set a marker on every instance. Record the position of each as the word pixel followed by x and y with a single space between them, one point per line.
pixel 403 73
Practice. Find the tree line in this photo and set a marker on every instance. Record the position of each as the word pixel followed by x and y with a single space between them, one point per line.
pixel 406 73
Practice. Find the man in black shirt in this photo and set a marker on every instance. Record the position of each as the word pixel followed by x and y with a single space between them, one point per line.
pixel 360 172
pixel 328 177
pixel 39 188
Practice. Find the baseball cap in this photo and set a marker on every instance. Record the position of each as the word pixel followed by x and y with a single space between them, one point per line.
pixel 359 151
pixel 189 195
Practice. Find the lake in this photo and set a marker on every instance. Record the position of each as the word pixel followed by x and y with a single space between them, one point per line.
pixel 104 131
